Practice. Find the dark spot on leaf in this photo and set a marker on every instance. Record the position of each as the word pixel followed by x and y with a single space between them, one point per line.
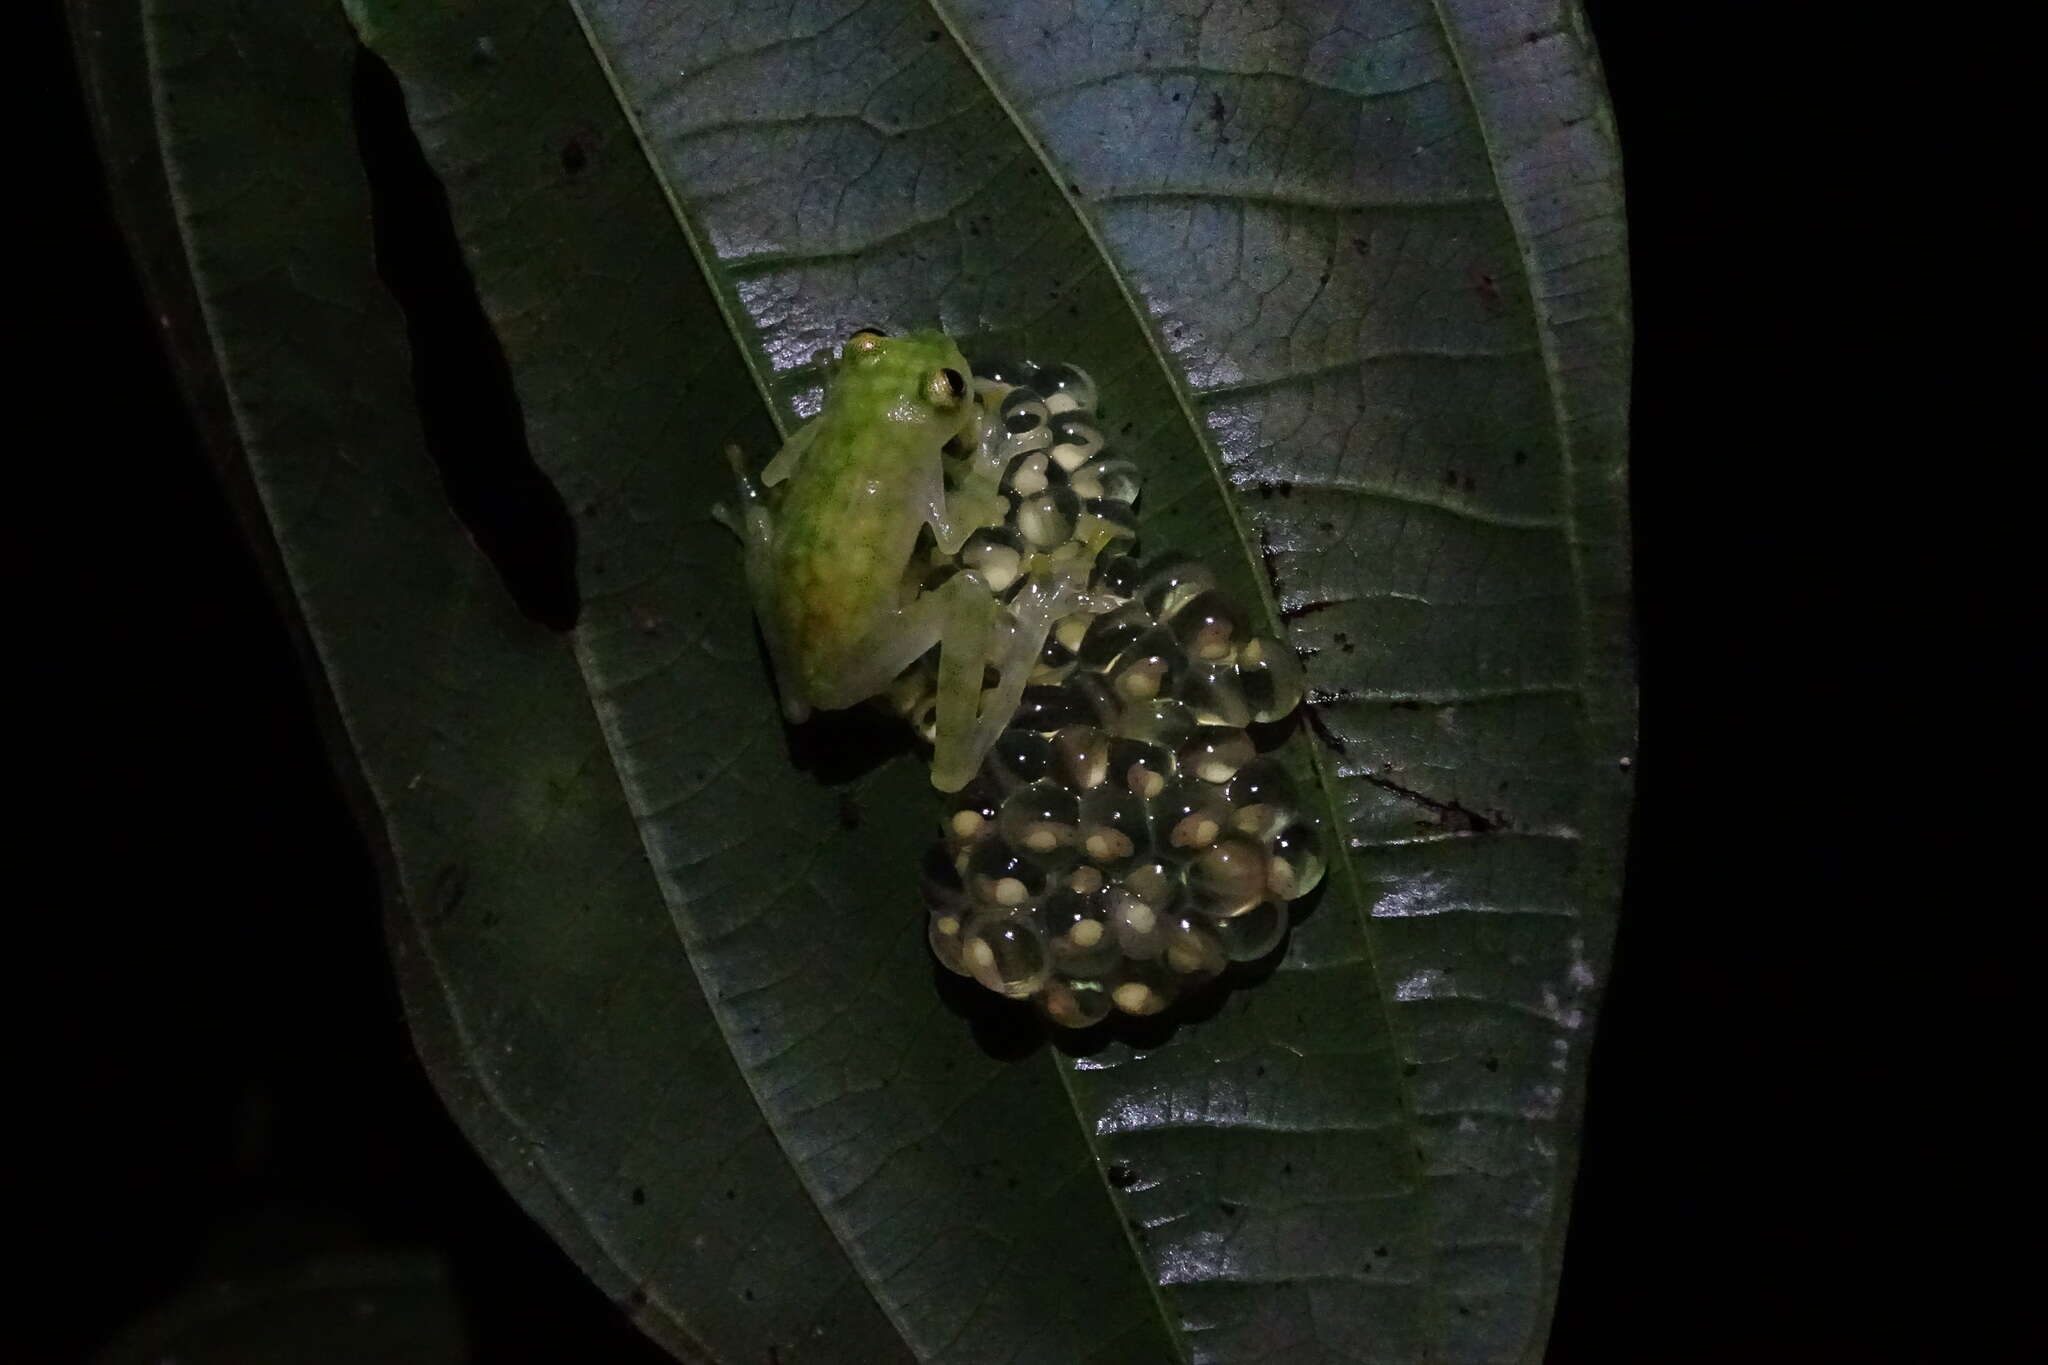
pixel 450 886
pixel 1176 97
pixel 1358 245
pixel 1286 488
pixel 636 1298
pixel 1410 1069
pixel 1521 457
pixel 1463 1311
pixel 1492 1063
pixel 1532 37
pixel 1259 1070
pixel 1229 1207
pixel 1121 1175
pixel 732 1194
pixel 849 811
pixel 933 36
pixel 1322 729
pixel 747 1294
pixel 1379 1251
pixel 469 412
pixel 1450 478
pixel 1488 290
pixel 574 158
pixel 1217 111
pixel 1469 484
pixel 639 1195
pixel 1287 1168
pixel 1323 279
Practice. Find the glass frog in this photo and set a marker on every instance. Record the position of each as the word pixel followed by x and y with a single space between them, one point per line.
pixel 845 599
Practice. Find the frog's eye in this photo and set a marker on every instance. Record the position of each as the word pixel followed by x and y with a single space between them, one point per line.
pixel 945 388
pixel 866 342
pixel 867 332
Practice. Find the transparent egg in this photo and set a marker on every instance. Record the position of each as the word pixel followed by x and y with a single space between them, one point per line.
pixel 1138 927
pixel 1148 669
pixel 1026 476
pixel 1271 677
pixel 1075 1003
pixel 1217 753
pixel 1188 817
pixel 1140 768
pixel 1023 413
pixel 1262 799
pixel 1228 877
pixel 1104 520
pixel 1255 933
pixel 1003 876
pixel 1209 626
pixel 1066 388
pixel 1211 692
pixel 1078 932
pixel 1143 988
pixel 1167 723
pixel 1296 863
pixel 1049 518
pixel 1005 951
pixel 942 931
pixel 971 811
pixel 1081 755
pixel 1171 582
pixel 1075 442
pixel 1111 478
pixel 1112 827
pixel 997 554
pixel 1040 819
pixel 1008 371
pixel 1111 633
pixel 1192 948
pixel 1044 708
pixel 1156 883
pixel 1069 631
pixel 1117 574
pixel 1019 757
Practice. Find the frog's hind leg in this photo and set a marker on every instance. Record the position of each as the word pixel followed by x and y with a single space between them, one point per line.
pixel 756 530
pixel 969 720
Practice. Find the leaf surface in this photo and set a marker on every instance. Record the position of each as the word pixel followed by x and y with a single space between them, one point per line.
pixel 1351 281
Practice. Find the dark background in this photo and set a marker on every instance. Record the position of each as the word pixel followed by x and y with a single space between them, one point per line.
pixel 223 1073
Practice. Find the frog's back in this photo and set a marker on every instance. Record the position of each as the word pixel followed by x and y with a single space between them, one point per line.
pixel 853 504
pixel 849 523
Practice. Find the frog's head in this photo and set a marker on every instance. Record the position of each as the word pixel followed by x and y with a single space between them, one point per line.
pixel 918 381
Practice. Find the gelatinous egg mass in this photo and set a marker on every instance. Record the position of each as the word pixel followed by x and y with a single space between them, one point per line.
pixel 1125 839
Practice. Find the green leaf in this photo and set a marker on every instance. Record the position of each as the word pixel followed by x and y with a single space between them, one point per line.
pixel 1353 287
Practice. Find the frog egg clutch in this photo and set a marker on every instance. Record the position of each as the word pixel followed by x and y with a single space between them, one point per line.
pixel 1123 840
